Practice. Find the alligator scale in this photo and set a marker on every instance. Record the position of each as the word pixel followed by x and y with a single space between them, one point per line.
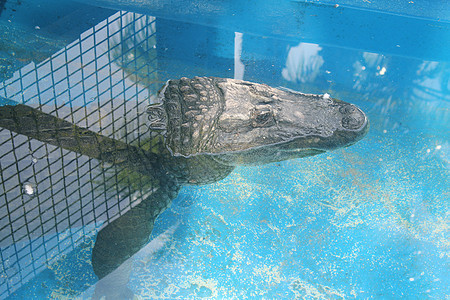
pixel 209 125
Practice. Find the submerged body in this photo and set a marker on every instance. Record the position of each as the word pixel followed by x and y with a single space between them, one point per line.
pixel 209 125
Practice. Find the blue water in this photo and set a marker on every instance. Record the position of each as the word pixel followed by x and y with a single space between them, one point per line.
pixel 366 222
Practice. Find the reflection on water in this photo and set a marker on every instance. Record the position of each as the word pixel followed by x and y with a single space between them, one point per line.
pixel 303 63
pixel 367 220
pixel 377 77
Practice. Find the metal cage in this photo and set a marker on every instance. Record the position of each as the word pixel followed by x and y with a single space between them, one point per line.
pixel 52 199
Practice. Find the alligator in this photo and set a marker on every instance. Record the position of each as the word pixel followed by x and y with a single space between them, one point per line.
pixel 209 126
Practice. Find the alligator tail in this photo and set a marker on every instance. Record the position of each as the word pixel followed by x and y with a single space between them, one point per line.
pixel 49 129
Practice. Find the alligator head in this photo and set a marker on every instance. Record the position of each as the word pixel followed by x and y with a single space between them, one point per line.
pixel 239 122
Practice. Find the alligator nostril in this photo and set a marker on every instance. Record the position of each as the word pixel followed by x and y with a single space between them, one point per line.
pixel 353 121
pixel 347 109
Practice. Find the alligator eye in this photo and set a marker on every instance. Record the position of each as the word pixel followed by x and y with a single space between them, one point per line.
pixel 262 118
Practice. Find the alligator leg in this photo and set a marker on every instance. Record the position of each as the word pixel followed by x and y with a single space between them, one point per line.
pixel 126 235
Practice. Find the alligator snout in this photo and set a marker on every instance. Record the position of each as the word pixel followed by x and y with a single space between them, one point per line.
pixel 352 118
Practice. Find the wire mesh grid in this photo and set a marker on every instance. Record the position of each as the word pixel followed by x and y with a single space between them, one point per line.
pixel 51 199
